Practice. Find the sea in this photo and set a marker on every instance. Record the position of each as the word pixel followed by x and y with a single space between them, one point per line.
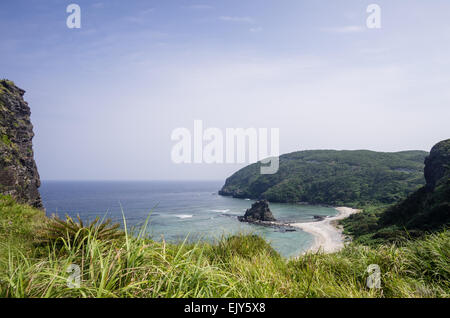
pixel 176 210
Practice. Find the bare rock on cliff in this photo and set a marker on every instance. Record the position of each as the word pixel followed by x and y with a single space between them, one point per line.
pixel 437 164
pixel 258 212
pixel 18 172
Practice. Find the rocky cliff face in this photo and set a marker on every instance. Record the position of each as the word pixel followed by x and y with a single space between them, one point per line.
pixel 18 172
pixel 437 164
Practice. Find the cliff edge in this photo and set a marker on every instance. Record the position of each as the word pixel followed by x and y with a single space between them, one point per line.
pixel 18 172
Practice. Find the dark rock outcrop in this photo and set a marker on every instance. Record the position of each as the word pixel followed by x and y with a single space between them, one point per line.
pixel 18 172
pixel 437 164
pixel 259 212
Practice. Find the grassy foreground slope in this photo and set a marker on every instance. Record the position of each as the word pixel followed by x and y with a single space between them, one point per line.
pixel 35 253
pixel 352 178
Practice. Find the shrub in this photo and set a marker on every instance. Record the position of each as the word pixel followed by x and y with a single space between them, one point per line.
pixel 73 232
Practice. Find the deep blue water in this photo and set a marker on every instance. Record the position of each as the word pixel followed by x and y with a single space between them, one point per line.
pixel 178 209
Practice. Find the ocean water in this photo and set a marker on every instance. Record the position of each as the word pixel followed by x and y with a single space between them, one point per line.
pixel 177 209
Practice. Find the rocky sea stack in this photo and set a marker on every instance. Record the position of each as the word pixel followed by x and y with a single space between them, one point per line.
pixel 259 212
pixel 18 172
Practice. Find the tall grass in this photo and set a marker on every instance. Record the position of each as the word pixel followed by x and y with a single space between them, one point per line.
pixel 239 266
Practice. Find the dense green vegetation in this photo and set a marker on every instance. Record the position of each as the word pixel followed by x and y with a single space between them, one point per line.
pixel 353 178
pixel 426 210
pixel 114 264
pixel 5 139
pixel 4 84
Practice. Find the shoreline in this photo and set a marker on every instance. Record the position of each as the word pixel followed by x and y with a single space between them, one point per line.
pixel 328 237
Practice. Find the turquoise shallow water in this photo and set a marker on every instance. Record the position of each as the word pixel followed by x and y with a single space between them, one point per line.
pixel 178 210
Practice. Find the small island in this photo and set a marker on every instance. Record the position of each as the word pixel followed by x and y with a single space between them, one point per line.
pixel 259 212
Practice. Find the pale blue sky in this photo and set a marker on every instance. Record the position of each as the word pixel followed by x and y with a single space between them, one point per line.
pixel 106 98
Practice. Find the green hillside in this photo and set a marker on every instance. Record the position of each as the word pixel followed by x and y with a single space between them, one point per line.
pixel 425 210
pixel 333 177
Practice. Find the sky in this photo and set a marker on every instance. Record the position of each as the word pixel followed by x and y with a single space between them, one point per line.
pixel 105 98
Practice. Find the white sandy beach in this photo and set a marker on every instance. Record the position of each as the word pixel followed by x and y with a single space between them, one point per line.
pixel 328 237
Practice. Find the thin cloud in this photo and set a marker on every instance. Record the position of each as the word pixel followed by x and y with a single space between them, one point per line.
pixel 256 30
pixel 141 17
pixel 200 7
pixel 237 19
pixel 98 5
pixel 374 51
pixel 345 29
